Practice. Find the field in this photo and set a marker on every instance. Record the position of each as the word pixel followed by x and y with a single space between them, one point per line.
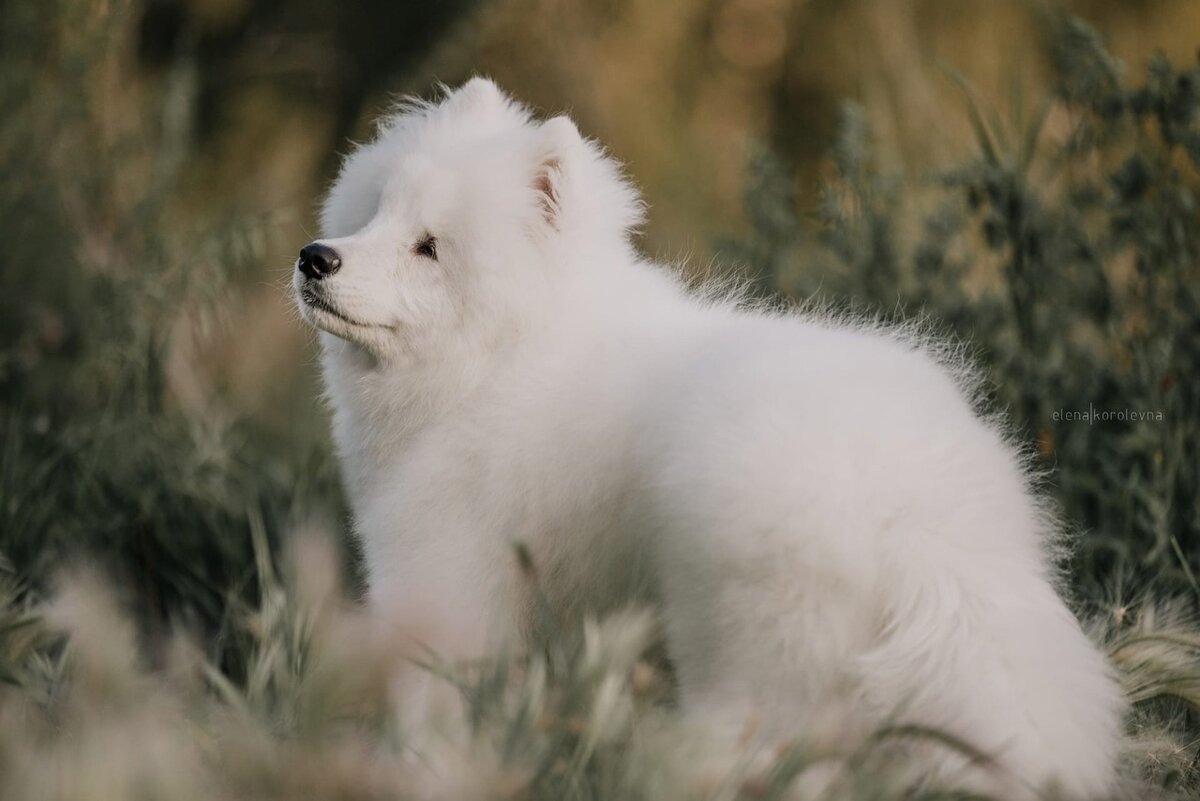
pixel 178 576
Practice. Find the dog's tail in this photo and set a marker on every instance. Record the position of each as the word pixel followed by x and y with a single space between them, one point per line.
pixel 999 662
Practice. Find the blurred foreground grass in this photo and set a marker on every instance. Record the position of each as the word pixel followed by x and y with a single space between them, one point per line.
pixel 582 714
pixel 153 643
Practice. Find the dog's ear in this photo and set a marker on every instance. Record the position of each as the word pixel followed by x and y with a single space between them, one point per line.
pixel 479 94
pixel 560 141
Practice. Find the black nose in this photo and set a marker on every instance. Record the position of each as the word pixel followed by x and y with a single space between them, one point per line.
pixel 317 260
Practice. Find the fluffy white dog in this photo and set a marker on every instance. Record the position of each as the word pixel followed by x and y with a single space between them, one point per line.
pixel 824 520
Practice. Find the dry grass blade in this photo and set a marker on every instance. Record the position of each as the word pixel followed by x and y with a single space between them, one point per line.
pixel 984 135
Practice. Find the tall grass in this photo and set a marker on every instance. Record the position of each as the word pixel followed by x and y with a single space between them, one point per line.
pixel 165 633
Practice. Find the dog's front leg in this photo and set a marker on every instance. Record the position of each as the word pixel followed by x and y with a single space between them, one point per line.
pixel 450 601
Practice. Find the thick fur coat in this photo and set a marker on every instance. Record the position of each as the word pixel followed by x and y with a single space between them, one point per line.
pixel 825 522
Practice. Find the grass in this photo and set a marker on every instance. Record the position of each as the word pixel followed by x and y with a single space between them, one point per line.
pixel 173 624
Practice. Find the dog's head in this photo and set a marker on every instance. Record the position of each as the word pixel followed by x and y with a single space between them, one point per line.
pixel 453 224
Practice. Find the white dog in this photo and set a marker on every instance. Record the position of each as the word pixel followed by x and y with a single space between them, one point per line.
pixel 823 519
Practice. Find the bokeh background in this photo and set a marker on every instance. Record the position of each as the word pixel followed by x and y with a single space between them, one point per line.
pixel 256 99
pixel 1020 174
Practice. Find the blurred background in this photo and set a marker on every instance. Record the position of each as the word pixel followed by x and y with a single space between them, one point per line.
pixel 248 104
pixel 1022 172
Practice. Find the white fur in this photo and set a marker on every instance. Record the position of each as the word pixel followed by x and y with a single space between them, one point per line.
pixel 826 523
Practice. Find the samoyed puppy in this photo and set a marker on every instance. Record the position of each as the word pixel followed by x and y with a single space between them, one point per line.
pixel 826 524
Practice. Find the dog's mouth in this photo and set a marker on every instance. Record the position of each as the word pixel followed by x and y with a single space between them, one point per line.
pixel 318 303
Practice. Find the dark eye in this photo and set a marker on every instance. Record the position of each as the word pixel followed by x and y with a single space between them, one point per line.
pixel 427 247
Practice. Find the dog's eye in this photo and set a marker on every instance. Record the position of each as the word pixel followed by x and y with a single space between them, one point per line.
pixel 427 247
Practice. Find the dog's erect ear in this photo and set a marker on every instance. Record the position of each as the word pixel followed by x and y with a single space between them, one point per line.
pixel 560 141
pixel 479 94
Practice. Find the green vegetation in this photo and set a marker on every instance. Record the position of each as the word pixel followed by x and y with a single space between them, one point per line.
pixel 172 622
